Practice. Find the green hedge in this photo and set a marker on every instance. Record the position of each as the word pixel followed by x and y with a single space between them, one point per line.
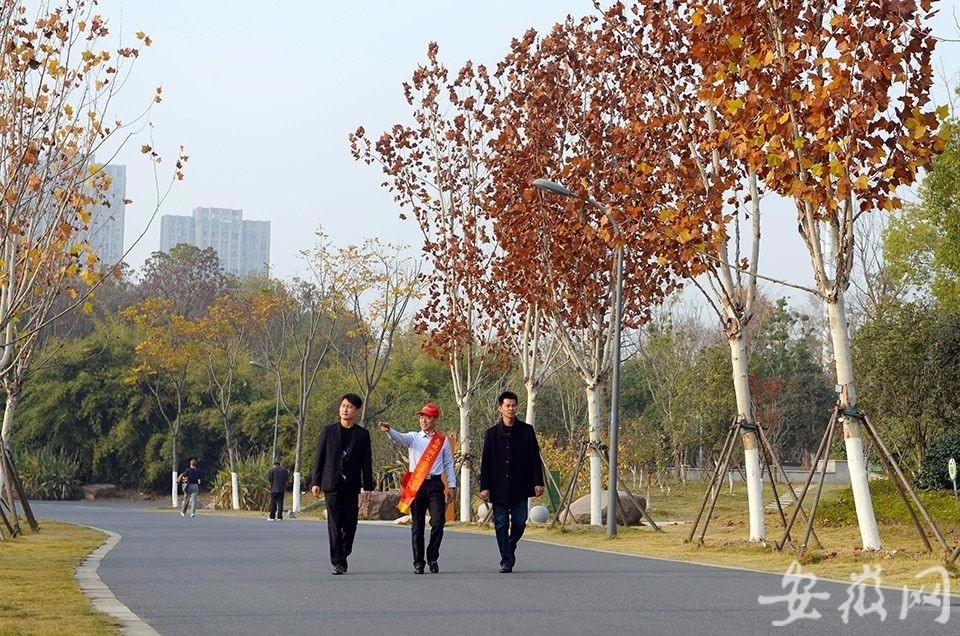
pixel 933 472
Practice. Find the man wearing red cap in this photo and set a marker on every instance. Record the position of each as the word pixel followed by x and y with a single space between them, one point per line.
pixel 430 456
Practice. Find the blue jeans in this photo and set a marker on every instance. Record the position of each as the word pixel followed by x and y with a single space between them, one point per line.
pixel 509 520
pixel 190 496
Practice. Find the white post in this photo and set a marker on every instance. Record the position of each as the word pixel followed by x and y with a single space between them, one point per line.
pixel 235 486
pixel 175 486
pixel 296 494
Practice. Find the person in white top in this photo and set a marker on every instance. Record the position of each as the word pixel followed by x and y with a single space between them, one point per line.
pixel 426 483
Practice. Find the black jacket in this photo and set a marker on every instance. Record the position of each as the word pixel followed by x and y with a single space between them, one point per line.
pixel 510 467
pixel 327 462
pixel 278 477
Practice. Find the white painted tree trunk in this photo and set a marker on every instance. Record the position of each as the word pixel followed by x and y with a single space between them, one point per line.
pixel 7 421
pixel 5 432
pixel 751 461
pixel 174 491
pixel 296 506
pixel 466 512
pixel 852 436
pixel 235 491
pixel 596 474
pixel 751 450
pixel 531 414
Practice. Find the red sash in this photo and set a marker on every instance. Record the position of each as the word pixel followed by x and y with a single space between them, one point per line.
pixel 412 481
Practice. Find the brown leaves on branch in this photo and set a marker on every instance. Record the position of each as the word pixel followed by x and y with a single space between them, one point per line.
pixel 827 100
pixel 565 116
pixel 437 172
pixel 669 116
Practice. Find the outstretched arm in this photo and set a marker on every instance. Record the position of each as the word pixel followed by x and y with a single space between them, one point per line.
pixel 404 439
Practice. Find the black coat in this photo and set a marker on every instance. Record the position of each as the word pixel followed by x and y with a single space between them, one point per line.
pixel 510 470
pixel 326 463
pixel 278 478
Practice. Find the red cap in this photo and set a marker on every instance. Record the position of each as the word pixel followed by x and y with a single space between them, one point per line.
pixel 430 410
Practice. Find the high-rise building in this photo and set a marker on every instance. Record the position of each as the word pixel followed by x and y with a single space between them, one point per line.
pixel 105 232
pixel 243 246
pixel 175 230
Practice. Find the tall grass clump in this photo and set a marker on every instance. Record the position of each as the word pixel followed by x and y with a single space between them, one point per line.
pixel 254 488
pixel 49 474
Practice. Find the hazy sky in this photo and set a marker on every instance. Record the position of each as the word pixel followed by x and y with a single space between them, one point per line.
pixel 263 95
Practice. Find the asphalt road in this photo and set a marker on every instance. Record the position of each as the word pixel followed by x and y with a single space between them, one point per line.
pixel 222 574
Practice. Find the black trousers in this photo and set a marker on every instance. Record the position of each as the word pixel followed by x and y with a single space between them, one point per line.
pixel 276 505
pixel 342 510
pixel 429 497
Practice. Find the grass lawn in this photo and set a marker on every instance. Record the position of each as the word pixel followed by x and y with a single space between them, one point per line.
pixel 40 594
pixel 725 543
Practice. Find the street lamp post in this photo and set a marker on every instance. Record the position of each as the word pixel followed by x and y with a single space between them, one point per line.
pixel 553 187
pixel 276 411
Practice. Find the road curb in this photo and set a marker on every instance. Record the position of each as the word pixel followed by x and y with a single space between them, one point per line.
pixel 101 596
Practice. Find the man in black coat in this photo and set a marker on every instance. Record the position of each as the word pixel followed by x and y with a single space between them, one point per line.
pixel 510 472
pixel 278 478
pixel 342 468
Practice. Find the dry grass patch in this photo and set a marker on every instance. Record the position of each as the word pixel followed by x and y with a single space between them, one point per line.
pixel 725 543
pixel 40 594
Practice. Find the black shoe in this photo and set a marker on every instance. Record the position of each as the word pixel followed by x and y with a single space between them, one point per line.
pixel 339 569
pixel 434 567
pixel 418 569
pixel 344 566
pixel 506 570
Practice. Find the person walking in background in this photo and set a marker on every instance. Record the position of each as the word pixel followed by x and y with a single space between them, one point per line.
pixel 191 477
pixel 342 469
pixel 511 471
pixel 278 477
pixel 430 457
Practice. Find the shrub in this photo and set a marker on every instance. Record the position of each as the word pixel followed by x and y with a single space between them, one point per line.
pixel 48 474
pixel 252 477
pixel 933 471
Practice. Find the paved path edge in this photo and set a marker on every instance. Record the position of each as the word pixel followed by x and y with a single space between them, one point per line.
pixel 101 596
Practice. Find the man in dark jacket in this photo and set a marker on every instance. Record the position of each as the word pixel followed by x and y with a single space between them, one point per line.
pixel 278 477
pixel 342 468
pixel 510 473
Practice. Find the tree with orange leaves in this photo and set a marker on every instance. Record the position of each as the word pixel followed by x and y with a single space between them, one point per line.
pixel 563 116
pixel 436 169
pixel 56 89
pixel 826 104
pixel 709 212
pixel 829 102
pixel 164 357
